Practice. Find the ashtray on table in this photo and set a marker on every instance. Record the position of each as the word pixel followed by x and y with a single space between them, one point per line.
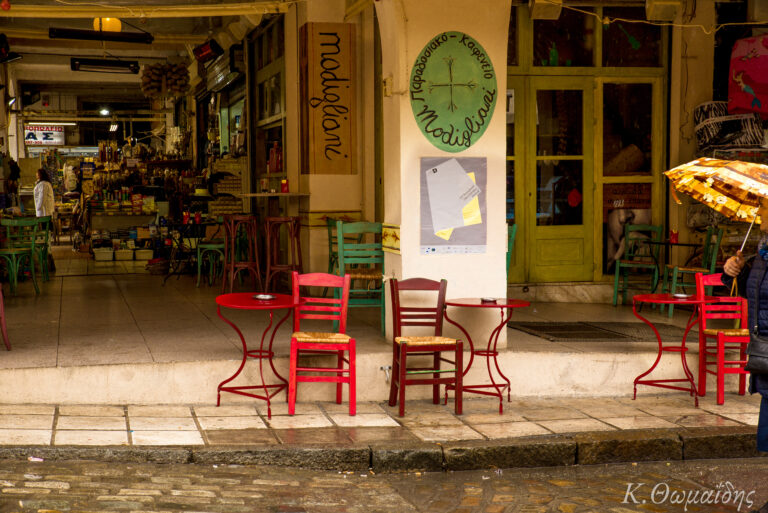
pixel 264 297
pixel 682 296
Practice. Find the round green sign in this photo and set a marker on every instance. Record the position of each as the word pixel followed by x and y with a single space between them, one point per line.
pixel 453 91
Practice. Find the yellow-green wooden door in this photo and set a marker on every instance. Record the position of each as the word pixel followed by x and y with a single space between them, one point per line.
pixel 558 179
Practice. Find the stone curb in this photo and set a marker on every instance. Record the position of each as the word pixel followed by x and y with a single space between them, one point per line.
pixel 534 451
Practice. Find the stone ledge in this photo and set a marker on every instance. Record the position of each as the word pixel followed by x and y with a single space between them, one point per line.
pixel 399 457
pixel 626 446
pixel 309 457
pixel 719 442
pixel 535 451
pixel 105 453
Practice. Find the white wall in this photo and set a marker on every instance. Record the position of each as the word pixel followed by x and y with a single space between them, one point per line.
pixel 406 26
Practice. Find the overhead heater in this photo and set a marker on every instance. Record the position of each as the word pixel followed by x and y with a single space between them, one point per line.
pixel 104 65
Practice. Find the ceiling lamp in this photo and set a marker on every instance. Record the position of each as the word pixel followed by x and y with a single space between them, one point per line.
pixel 107 24
pixel 113 127
pixel 103 65
pixel 104 111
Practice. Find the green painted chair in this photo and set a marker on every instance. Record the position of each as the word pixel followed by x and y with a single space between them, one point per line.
pixel 212 251
pixel 674 275
pixel 511 232
pixel 363 261
pixel 639 258
pixel 20 237
pixel 42 247
pixel 333 250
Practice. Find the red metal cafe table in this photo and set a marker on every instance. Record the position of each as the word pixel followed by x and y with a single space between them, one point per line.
pixel 678 347
pixel 505 306
pixel 249 301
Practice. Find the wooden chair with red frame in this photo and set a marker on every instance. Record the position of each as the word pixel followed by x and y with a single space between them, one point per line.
pixel 321 343
pixel 714 342
pixel 425 346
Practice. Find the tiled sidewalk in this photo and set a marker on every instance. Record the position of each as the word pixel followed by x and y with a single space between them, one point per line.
pixel 328 424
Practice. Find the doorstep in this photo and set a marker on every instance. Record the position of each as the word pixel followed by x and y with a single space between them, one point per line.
pixel 530 433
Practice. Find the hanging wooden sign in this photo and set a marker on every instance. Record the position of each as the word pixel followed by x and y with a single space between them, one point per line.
pixel 327 85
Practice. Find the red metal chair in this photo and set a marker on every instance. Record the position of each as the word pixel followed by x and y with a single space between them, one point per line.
pixel 714 342
pixel 322 343
pixel 432 345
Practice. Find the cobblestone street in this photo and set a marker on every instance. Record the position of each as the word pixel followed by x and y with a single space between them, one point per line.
pixel 49 487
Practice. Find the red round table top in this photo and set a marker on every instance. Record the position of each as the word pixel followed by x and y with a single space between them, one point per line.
pixel 247 301
pixel 671 299
pixel 498 302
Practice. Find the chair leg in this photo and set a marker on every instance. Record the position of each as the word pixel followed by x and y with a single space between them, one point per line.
pixel 673 290
pixel 352 378
pixel 459 377
pixel 742 376
pixel 292 378
pixel 401 379
pixel 395 374
pixel 616 284
pixel 702 365
pixel 625 286
pixel 720 368
pixel 32 270
pixel 383 310
pixel 199 265
pixel 436 375
pixel 340 366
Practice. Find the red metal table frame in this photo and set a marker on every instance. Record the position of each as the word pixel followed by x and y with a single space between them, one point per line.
pixel 246 301
pixel 505 307
pixel 670 299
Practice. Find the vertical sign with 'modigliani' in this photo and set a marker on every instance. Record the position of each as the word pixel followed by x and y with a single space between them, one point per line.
pixel 327 87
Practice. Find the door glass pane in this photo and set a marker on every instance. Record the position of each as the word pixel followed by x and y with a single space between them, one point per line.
pixel 623 203
pixel 566 41
pixel 559 122
pixel 512 39
pixel 627 129
pixel 630 44
pixel 511 191
pixel 511 122
pixel 559 192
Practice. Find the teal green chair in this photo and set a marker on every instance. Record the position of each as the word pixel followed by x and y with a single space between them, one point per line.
pixel 44 225
pixel 363 261
pixel 511 232
pixel 639 258
pixel 674 275
pixel 20 237
pixel 211 251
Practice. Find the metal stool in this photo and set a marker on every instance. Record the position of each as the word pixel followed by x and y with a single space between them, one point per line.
pixel 248 257
pixel 293 263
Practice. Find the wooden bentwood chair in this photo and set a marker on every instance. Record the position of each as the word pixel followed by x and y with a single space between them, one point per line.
pixel 322 343
pixel 432 345
pixel 713 342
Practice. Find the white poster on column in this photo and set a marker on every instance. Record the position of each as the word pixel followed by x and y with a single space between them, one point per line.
pixel 453 205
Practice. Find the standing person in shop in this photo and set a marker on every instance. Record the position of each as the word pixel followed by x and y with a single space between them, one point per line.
pixel 45 204
pixel 752 281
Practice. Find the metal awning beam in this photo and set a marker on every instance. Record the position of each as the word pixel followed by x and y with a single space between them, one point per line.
pixel 147 11
pixel 103 119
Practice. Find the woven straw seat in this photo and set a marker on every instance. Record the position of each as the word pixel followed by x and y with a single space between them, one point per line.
pixel 365 274
pixel 321 337
pixel 426 341
pixel 728 333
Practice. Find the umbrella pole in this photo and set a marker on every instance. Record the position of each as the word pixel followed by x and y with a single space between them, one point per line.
pixel 743 243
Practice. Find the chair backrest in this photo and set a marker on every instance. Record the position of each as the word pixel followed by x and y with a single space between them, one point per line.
pixel 20 232
pixel 725 307
pixel 634 235
pixel 711 248
pixel 417 315
pixel 319 307
pixel 363 252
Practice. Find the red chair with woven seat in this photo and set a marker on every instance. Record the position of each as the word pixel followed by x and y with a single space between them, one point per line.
pixel 431 345
pixel 322 343
pixel 714 342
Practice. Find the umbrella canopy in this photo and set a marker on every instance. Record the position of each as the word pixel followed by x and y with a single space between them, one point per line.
pixel 731 187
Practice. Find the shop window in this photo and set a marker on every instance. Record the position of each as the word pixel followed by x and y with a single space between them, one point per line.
pixel 628 43
pixel 623 203
pixel 512 39
pixel 560 127
pixel 511 191
pixel 567 41
pixel 627 129
pixel 559 192
pixel 270 94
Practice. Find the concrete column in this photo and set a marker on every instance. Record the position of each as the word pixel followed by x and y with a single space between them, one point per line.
pixel 407 26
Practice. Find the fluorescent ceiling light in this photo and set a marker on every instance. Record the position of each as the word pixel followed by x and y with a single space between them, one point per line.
pixel 100 35
pixel 59 123
pixel 11 100
pixel 103 65
pixel 113 127
pixel 104 112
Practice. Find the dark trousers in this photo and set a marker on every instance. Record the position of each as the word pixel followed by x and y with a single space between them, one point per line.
pixel 758 383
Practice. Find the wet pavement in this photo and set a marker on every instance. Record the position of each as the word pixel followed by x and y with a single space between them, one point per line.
pixel 700 486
